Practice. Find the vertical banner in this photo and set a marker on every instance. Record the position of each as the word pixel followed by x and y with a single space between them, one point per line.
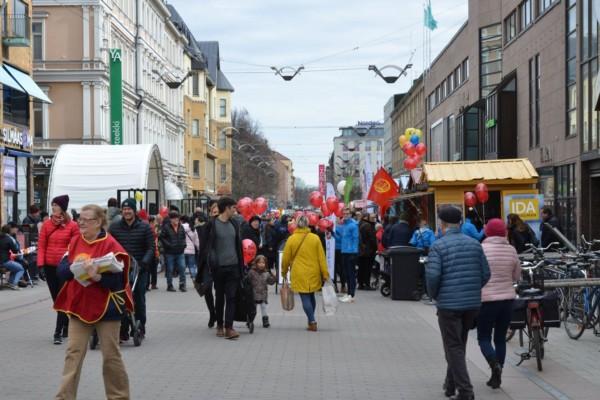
pixel 322 187
pixel 348 189
pixel 330 247
pixel 116 97
pixel 368 176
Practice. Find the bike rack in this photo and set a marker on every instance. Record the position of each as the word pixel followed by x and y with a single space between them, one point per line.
pixel 558 283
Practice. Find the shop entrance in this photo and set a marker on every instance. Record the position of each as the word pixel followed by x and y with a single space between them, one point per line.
pixel 594 207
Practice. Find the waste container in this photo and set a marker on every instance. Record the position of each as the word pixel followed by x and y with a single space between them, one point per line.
pixel 406 272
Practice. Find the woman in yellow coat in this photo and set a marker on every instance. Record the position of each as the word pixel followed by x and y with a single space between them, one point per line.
pixel 304 254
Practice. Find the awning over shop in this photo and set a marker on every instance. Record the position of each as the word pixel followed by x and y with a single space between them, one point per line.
pixel 487 170
pixel 91 174
pixel 172 191
pixel 414 195
pixel 24 83
pixel 8 80
pixel 17 153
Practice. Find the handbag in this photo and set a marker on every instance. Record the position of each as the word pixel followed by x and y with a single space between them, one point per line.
pixel 286 293
pixel 330 300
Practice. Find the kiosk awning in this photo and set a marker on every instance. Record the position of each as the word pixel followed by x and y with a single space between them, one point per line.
pixel 485 170
pixel 408 196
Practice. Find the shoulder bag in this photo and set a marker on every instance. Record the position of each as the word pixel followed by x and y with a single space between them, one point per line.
pixel 286 293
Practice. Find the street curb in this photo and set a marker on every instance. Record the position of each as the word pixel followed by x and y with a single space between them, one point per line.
pixel 2 310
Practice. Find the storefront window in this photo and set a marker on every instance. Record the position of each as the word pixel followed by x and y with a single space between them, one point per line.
pixel 21 189
pixel 565 204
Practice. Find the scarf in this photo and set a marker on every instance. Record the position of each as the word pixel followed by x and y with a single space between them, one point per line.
pixel 58 219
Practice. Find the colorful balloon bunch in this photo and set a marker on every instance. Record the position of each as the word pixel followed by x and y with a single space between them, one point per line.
pixel 411 145
pixel 248 207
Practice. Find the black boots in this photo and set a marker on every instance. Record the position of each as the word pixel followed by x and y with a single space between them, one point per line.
pixel 266 323
pixel 212 320
pixel 496 379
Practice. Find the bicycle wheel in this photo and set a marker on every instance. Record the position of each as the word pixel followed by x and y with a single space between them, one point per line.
pixel 574 314
pixel 536 339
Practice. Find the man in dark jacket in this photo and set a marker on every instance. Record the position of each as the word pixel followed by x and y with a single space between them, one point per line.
pixel 368 249
pixel 172 238
pixel 456 271
pixel 30 224
pixel 8 245
pixel 222 255
pixel 138 241
pixel 548 235
pixel 400 233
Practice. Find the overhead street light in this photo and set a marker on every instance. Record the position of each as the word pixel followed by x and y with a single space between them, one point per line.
pixel 172 84
pixel 287 73
pixel 390 78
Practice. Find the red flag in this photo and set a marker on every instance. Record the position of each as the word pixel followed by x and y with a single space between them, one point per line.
pixel 383 189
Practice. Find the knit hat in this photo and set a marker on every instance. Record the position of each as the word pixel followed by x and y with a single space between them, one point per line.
pixel 254 218
pixel 62 201
pixel 495 227
pixel 450 214
pixel 129 203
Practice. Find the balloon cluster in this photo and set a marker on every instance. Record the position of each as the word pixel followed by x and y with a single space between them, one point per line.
pixel 481 195
pixel 248 207
pixel 331 205
pixel 413 148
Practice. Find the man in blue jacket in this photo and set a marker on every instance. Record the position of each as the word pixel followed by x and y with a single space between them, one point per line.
pixel 347 233
pixel 456 271
pixel 469 228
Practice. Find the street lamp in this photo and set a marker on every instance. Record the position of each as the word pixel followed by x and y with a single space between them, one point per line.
pixel 390 78
pixel 287 73
pixel 173 84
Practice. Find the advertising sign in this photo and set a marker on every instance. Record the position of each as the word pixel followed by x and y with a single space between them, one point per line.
pixel 526 204
pixel 116 97
pixel 322 187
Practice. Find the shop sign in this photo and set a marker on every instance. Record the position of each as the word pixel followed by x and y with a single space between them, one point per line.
pixel 116 97
pixel 44 162
pixel 17 138
pixel 525 205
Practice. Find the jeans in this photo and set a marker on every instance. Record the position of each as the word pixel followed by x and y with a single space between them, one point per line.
pixel 190 262
pixel 263 309
pixel 175 260
pixel 349 263
pixel 339 269
pixel 139 297
pixel 454 327
pixel 54 285
pixel 365 265
pixel 226 281
pixel 153 271
pixel 309 304
pixel 494 315
pixel 16 271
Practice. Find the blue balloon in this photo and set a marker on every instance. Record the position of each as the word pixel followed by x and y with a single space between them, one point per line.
pixel 414 140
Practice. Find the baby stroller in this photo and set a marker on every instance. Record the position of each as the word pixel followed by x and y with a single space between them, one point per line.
pixel 384 277
pixel 245 308
pixel 129 322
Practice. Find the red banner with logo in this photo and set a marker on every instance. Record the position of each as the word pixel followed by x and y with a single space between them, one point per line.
pixel 322 184
pixel 383 189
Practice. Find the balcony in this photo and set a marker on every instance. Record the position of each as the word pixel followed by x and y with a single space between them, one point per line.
pixel 16 30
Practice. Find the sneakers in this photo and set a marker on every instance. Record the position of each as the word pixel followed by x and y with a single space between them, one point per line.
pixel 57 339
pixel 212 320
pixel 170 288
pixel 13 287
pixel 347 299
pixel 231 333
pixel 182 288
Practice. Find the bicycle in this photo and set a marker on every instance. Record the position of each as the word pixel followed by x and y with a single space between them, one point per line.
pixel 582 311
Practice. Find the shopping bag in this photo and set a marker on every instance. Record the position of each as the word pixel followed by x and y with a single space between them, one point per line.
pixel 287 296
pixel 330 300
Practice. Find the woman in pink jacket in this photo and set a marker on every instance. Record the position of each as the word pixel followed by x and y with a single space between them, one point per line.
pixel 497 297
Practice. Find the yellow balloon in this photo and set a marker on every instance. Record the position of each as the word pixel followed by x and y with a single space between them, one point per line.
pixel 403 140
pixel 408 132
pixel 418 133
pixel 139 196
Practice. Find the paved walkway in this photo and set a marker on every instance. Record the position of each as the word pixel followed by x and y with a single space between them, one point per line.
pixel 373 349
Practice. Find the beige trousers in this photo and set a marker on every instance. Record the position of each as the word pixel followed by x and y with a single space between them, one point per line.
pixel 116 382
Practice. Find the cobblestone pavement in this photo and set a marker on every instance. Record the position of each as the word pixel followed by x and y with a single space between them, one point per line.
pixel 373 349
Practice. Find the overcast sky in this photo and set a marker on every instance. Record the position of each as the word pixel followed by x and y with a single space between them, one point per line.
pixel 319 35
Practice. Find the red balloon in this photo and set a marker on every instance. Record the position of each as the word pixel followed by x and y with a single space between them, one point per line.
pixel 325 210
pixel 324 224
pixel 313 219
pixel 164 212
pixel 316 199
pixel 417 159
pixel 410 163
pixel 340 211
pixel 332 203
pixel 248 250
pixel 421 149
pixel 470 199
pixel 482 197
pixel 244 205
pixel 260 205
pixel 481 187
pixel 409 149
pixel 292 227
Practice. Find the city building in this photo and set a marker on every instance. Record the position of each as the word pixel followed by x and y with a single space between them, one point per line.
pixel 388 109
pixel 74 45
pixel 284 197
pixel 21 96
pixel 219 133
pixel 409 112
pixel 358 152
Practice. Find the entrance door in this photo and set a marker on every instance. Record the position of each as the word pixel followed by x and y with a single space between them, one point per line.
pixel 595 207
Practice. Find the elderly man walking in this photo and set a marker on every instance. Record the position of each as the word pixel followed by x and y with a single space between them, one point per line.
pixel 456 271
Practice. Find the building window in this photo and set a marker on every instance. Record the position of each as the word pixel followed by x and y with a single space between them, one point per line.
pixel 457 78
pixel 15 106
pixel 526 10
pixel 210 174
pixel 510 27
pixel 222 107
pixel 450 80
pixel 223 173
pixel 379 145
pixel 491 133
pixel 196 168
pixel 368 145
pixel 589 70
pixel 195 84
pixel 38 120
pixel 545 4
pixel 491 58
pixel 437 141
pixel 534 101
pixel 449 138
pixel 571 68
pixel 565 199
pixel 222 140
pixel 38 43
pixel 195 127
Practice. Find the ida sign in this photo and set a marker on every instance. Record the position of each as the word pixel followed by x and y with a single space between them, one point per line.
pixel 525 205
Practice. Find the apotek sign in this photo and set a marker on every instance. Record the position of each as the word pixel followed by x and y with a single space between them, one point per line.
pixel 116 97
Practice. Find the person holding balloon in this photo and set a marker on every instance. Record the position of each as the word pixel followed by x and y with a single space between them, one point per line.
pixel 469 228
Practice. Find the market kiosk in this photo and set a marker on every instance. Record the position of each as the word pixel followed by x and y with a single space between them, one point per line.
pixel 512 188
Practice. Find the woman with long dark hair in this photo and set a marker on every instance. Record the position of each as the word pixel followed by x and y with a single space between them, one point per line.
pixel 520 234
pixel 55 235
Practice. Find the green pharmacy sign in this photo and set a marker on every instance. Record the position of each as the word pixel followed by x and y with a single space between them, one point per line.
pixel 116 97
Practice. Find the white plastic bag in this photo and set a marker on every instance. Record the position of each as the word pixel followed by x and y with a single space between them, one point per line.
pixel 330 300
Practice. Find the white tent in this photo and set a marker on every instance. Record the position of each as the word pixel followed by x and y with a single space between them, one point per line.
pixel 91 174
pixel 172 191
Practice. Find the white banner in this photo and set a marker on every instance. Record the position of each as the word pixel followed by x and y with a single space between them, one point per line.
pixel 280 268
pixel 330 254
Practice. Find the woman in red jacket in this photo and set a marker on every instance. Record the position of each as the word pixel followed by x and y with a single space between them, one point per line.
pixel 54 238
